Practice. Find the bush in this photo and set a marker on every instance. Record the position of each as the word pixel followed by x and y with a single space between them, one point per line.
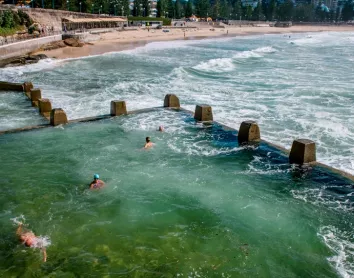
pixel 24 18
pixel 8 20
pixel 165 21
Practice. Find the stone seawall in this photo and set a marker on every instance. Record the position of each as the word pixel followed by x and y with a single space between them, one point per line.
pixel 23 47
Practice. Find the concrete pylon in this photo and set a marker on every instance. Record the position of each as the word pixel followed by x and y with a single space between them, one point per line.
pixel 35 94
pixel 171 100
pixel 203 113
pixel 27 86
pixel 249 132
pixel 302 151
pixel 45 107
pixel 118 107
pixel 58 117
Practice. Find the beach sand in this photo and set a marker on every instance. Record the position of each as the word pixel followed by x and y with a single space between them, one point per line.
pixel 122 40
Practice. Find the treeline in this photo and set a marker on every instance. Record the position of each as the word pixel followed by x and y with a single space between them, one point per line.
pixel 216 9
pixel 263 10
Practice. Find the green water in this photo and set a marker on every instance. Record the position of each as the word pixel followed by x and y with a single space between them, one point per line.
pixel 196 205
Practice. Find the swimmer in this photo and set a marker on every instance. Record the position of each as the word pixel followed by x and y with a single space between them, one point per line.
pixel 30 240
pixel 148 143
pixel 161 129
pixel 96 183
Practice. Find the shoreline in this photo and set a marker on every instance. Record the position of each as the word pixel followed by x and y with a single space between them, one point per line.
pixel 126 40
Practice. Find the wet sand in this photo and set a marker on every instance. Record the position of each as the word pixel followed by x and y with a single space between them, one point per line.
pixel 123 40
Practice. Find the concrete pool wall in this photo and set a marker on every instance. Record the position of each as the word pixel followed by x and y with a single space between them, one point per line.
pixel 303 151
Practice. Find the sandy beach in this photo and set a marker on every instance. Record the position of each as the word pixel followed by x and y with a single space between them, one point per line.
pixel 122 40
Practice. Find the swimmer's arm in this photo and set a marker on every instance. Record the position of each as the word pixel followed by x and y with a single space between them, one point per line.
pixel 44 255
pixel 19 229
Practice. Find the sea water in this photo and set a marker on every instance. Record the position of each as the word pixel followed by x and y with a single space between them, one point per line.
pixel 195 205
pixel 294 85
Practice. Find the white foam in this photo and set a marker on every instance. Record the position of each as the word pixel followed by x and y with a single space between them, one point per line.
pixel 339 242
pixel 254 53
pixel 41 242
pixel 216 65
pixel 13 73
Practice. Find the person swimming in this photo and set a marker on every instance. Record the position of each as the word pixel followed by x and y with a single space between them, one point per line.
pixel 148 143
pixel 96 183
pixel 31 240
pixel 161 129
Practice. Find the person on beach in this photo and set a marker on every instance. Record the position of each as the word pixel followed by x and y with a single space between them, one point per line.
pixel 148 143
pixel 31 240
pixel 96 183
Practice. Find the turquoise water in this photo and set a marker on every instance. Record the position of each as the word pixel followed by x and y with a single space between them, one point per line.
pixel 195 205
pixel 16 111
pixel 294 87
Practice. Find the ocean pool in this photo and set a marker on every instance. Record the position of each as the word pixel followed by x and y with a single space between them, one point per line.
pixel 195 205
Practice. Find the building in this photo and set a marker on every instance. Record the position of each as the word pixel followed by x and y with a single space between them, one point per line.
pixel 92 23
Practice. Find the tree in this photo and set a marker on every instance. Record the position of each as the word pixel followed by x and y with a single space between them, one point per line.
pixel 171 8
pixel 285 11
pixel 137 8
pixel 145 7
pixel 347 11
pixel 258 13
pixel 338 14
pixel 249 12
pixel 272 7
pixel 189 9
pixel 202 8
pixel 304 12
pixel 224 9
pixel 178 9
pixel 216 9
pixel 159 11
pixel 236 10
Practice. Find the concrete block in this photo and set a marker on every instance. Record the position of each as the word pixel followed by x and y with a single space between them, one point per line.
pixel 8 86
pixel 171 100
pixel 45 107
pixel 302 151
pixel 118 108
pixel 27 86
pixel 36 94
pixel 249 132
pixel 203 113
pixel 58 117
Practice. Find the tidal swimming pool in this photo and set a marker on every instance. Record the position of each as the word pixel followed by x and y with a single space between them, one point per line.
pixel 16 111
pixel 195 205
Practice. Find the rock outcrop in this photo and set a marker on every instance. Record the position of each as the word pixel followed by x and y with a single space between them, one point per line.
pixel 73 42
pixel 22 60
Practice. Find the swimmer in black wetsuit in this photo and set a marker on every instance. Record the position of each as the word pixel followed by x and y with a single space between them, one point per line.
pixel 96 183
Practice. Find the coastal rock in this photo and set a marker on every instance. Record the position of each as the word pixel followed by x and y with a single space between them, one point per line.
pixel 22 60
pixel 73 42
pixel 53 45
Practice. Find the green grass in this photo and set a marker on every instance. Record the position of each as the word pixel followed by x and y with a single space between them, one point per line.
pixel 9 31
pixel 165 21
